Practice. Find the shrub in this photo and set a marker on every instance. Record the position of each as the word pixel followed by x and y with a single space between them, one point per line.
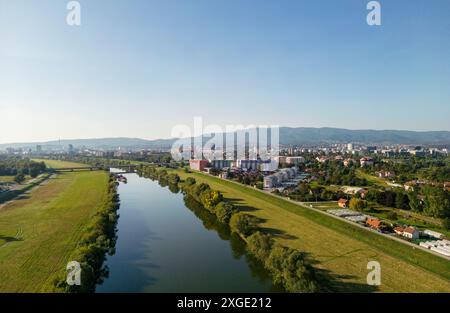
pixel 392 215
pixel 260 245
pixel 190 181
pixel 224 211
pixel 290 268
pixel 446 223
pixel 210 198
pixel 243 224
pixel 358 204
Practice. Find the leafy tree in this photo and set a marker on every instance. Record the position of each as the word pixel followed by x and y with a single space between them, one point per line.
pixel 289 267
pixel 437 202
pixel 358 204
pixel 224 211
pixel 414 203
pixel 210 198
pixel 402 201
pixel 243 224
pixel 446 223
pixel 392 215
pixel 19 178
pixel 260 245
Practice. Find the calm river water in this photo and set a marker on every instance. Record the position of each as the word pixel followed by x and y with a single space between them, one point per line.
pixel 167 243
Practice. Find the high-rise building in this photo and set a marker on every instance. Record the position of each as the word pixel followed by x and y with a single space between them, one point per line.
pixel 349 146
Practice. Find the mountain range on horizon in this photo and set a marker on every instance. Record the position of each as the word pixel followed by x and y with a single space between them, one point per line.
pixel 288 136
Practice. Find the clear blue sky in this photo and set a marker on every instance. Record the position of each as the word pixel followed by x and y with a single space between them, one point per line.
pixel 156 64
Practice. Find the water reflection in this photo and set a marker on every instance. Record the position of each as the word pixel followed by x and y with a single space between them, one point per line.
pixel 167 242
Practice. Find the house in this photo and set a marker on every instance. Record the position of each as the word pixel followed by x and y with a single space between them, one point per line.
pixel 399 230
pixel 385 174
pixel 347 162
pixel 296 160
pixel 366 161
pixel 322 159
pixel 198 165
pixel 343 203
pixel 352 190
pixel 363 193
pixel 411 233
pixel 373 223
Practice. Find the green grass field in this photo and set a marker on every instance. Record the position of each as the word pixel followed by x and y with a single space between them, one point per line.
pixel 342 251
pixel 59 164
pixel 371 179
pixel 39 232
pixel 10 179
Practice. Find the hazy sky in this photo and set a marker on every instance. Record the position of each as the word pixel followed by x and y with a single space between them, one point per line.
pixel 137 68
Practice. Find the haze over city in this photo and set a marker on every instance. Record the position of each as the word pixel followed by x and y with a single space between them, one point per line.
pixel 138 68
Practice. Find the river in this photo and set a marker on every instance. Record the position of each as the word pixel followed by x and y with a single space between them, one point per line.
pixel 168 243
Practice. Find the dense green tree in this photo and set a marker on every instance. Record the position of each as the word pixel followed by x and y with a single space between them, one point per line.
pixel 224 211
pixel 446 223
pixel 260 245
pixel 243 224
pixel 437 202
pixel 19 178
pixel 358 204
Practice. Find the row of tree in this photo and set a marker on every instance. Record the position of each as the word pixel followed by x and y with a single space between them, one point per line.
pixel 429 200
pixel 15 166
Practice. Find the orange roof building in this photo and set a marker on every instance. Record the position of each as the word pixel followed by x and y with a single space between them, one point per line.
pixel 373 223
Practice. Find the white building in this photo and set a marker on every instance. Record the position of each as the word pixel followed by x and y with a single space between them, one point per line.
pixel 295 160
pixel 433 234
pixel 411 233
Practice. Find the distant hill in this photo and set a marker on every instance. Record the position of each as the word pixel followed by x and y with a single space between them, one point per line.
pixel 288 136
pixel 97 143
pixel 302 135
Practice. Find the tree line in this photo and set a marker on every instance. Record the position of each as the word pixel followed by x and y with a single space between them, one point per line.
pixel 18 167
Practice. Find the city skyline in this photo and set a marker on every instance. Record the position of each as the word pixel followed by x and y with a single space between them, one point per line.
pixel 138 69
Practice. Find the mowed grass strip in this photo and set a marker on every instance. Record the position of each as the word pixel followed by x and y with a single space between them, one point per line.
pixel 59 164
pixel 38 234
pixel 342 250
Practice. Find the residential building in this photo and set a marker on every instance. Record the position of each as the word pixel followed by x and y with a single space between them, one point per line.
pixel 366 161
pixel 295 160
pixel 247 164
pixel 220 164
pixel 343 203
pixel 347 162
pixel 373 223
pixel 198 165
pixel 411 233
pixel 270 181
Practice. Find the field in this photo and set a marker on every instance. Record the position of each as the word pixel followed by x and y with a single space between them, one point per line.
pixel 342 251
pixel 10 179
pixel 58 164
pixel 371 179
pixel 39 232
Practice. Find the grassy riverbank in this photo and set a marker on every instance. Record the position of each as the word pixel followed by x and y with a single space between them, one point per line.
pixel 38 233
pixel 341 250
